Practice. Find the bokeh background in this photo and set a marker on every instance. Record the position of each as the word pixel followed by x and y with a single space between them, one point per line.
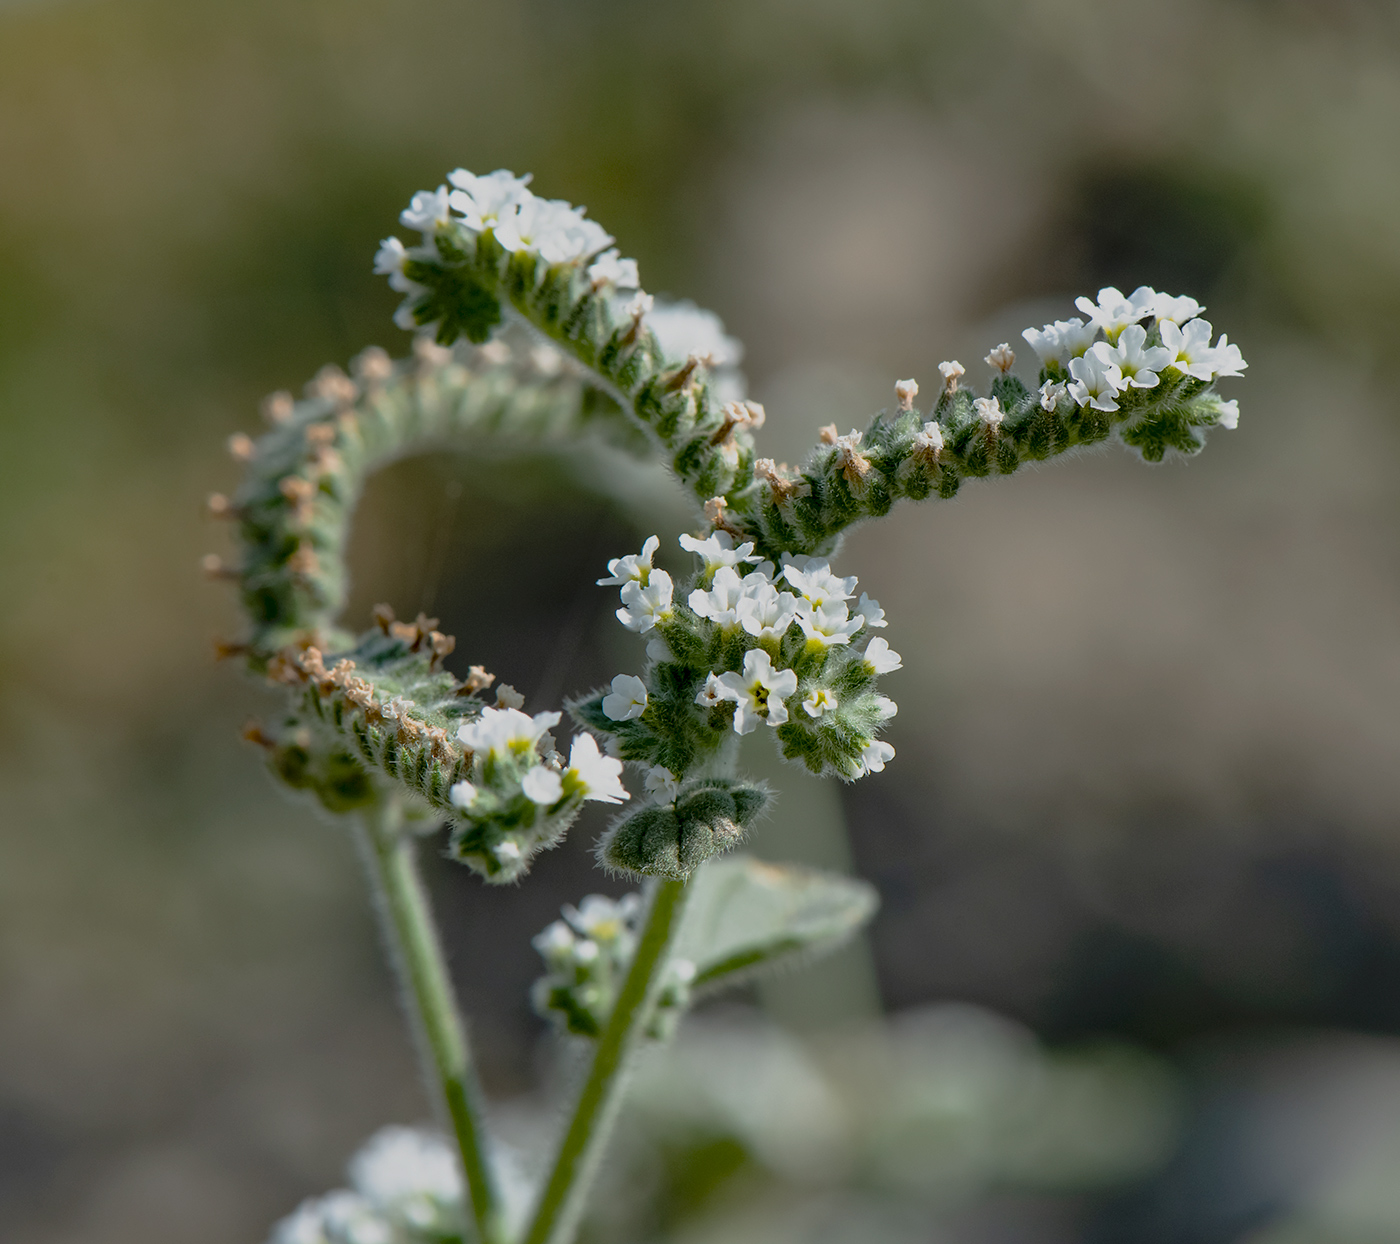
pixel 1138 853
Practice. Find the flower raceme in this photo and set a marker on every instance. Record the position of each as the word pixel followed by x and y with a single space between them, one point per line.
pixel 750 644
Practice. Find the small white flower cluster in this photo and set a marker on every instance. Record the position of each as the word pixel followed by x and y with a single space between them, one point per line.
pixel 520 780
pixel 686 332
pixel 784 621
pixel 586 956
pixel 1131 355
pixel 405 1186
pixel 502 204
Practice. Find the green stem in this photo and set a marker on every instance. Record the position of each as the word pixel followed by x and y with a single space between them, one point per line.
pixel 581 1150
pixel 422 967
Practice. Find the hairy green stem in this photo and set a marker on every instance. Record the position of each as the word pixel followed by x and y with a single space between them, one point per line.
pixel 422 967
pixel 562 1202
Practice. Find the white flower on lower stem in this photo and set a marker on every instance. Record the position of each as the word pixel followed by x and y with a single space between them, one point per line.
pixel 1178 310
pixel 814 582
pixel 828 625
pixel 603 919
pixel 338 1218
pixel 543 785
pixel 875 757
pixel 1001 357
pixel 717 551
pixel 634 567
pixel 555 944
pixel 426 211
pixel 662 783
pixel 1189 347
pixel 885 707
pixel 1061 341
pixel 482 198
pixel 758 693
pixel 1095 382
pixel 1138 362
pixel 870 610
pixel 599 776
pixel 501 729
pixel 952 371
pixel 627 699
pixel 881 657
pixel 819 700
pixel 658 649
pixel 1228 416
pixel 766 613
pixel 462 795
pixel 1113 312
pixel 408 1173
pixel 645 607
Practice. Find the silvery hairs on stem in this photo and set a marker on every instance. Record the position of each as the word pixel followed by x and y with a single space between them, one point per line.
pixel 535 330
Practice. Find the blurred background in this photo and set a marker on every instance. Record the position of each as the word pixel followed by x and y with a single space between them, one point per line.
pixel 1140 941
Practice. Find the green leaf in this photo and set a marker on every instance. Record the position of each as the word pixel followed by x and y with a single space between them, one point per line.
pixel 746 916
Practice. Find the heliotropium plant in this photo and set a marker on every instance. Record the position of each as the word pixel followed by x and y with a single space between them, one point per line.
pixel 532 328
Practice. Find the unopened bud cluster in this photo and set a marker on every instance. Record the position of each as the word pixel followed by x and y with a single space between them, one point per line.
pixel 586 956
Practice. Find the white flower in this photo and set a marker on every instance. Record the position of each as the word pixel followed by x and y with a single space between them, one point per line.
pixel 881 657
pixel 609 269
pixel 643 607
pixel 764 612
pixel 711 693
pixel 658 649
pixel 952 371
pixel 534 224
pixel 1095 382
pixel 1001 357
pixel 870 610
pixel 628 698
pixel 905 391
pixel 600 776
pixel 885 707
pixel 389 260
pixel 1062 340
pixel 827 625
pixel 408 1172
pixel 482 199
pixel 683 329
pixel 720 604
pixel 1228 415
pixel 718 550
pixel 989 411
pixel 812 578
pixel 556 945
pixel 758 693
pixel 602 918
pixel 929 439
pixel 500 729
pixel 1113 313
pixel 1165 307
pixel 1189 347
pixel 1139 365
pixel 543 785
pixel 462 795
pixel 1050 394
pixel 875 757
pixel 426 211
pixel 662 783
pixel 819 700
pixel 1227 358
pixel 635 566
